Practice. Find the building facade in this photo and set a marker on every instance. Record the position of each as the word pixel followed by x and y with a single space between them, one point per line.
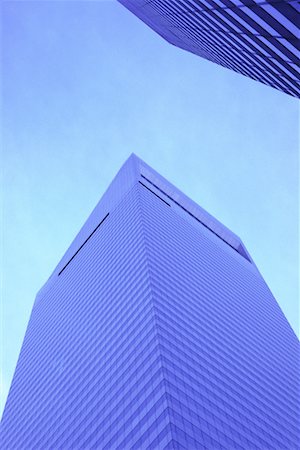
pixel 259 39
pixel 155 331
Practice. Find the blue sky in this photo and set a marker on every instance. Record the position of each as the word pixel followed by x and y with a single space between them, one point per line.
pixel 85 84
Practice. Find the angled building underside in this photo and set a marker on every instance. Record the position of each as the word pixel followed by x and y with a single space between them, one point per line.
pixel 257 38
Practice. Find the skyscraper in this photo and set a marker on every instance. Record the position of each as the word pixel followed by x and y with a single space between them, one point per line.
pixel 259 39
pixel 155 330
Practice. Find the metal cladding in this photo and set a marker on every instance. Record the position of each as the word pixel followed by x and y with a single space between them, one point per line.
pixel 155 331
pixel 257 38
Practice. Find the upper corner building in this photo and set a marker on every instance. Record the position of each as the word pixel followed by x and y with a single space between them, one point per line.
pixel 257 38
pixel 155 331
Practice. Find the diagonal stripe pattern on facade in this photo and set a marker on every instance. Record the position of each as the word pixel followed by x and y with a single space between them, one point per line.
pixel 155 331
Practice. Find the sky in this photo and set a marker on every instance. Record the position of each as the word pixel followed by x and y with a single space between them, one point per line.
pixel 85 84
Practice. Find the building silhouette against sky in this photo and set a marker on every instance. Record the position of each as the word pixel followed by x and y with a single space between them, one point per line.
pixel 156 330
pixel 257 38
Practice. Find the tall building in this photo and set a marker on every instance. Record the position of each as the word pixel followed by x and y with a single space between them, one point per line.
pixel 155 331
pixel 259 39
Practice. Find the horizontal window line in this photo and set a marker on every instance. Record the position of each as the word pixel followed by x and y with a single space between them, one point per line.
pixel 154 193
pixel 84 243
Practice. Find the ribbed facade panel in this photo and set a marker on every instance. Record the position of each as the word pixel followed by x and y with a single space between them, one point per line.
pixel 232 380
pixel 89 373
pixel 154 331
pixel 257 38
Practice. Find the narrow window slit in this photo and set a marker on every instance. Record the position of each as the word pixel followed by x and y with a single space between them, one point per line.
pixel 84 243
pixel 154 193
pixel 240 250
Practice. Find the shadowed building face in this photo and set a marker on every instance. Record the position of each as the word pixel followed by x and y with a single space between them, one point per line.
pixel 155 330
pixel 257 38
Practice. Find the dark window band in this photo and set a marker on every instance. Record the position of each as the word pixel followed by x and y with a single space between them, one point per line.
pixel 154 193
pixel 238 250
pixel 84 243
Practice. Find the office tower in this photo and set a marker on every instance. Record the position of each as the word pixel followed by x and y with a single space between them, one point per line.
pixel 155 330
pixel 259 39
